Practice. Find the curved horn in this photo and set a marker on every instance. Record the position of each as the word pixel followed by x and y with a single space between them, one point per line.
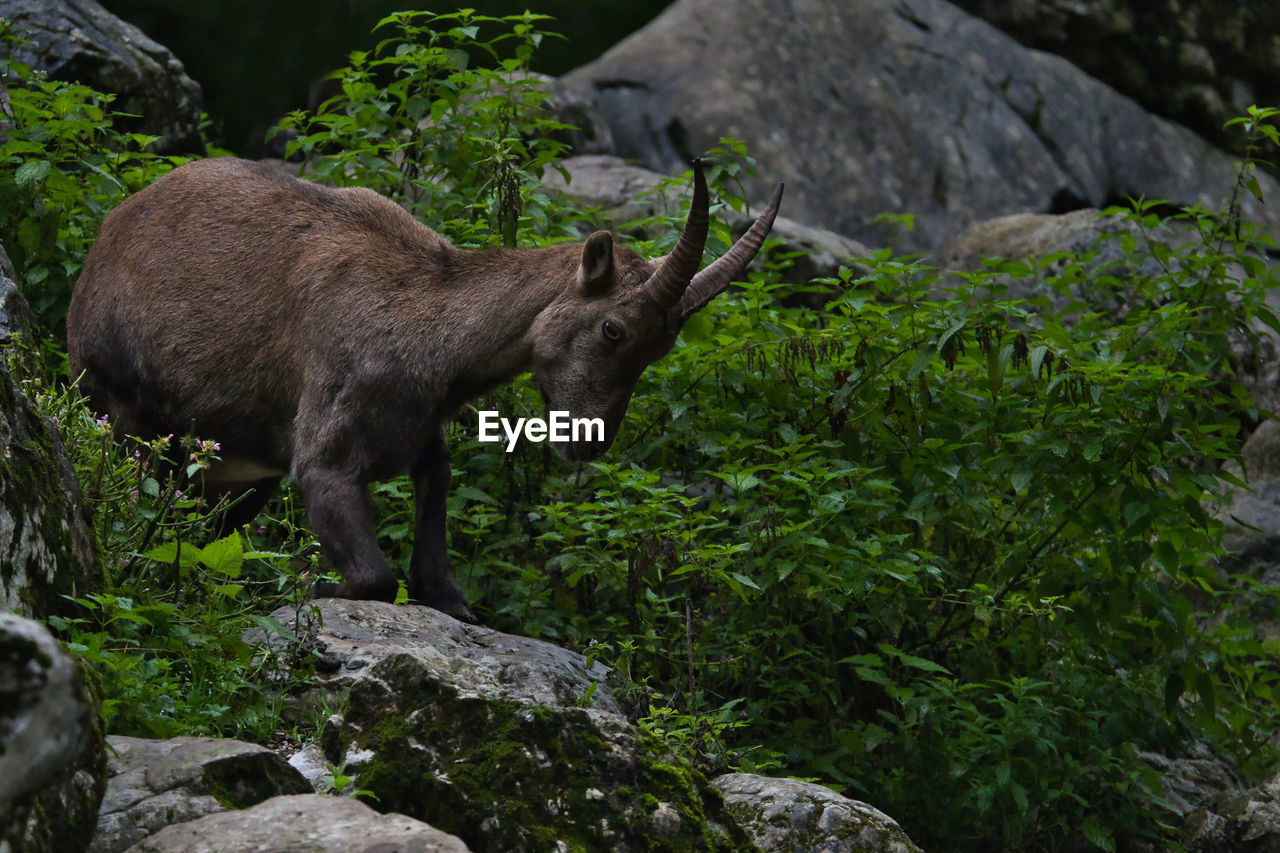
pixel 712 281
pixel 668 284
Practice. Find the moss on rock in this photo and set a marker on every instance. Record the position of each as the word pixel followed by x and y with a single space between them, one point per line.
pixel 505 775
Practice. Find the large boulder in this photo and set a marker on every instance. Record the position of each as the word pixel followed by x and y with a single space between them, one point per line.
pixel 153 784
pixel 1246 821
pixel 508 743
pixel 790 816
pixel 79 41
pixel 52 752
pixel 880 106
pixel 622 193
pixel 1198 62
pixel 46 550
pixel 306 822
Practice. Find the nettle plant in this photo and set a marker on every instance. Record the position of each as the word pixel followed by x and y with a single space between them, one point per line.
pixel 62 167
pixel 461 144
pixel 928 539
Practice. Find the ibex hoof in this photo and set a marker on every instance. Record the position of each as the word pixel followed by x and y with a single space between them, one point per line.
pixel 459 611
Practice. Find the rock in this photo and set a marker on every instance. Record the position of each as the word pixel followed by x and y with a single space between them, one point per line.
pixel 588 132
pixel 883 106
pixel 790 816
pixel 155 783
pixel 1088 234
pixel 1198 62
pixel 46 550
pixel 78 40
pixel 621 191
pixel 1253 518
pixel 506 742
pixel 1248 821
pixel 52 755
pixel 819 253
pixel 624 193
pixel 309 822
pixel 15 314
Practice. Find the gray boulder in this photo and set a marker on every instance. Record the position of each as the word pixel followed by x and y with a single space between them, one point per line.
pixel 46 550
pixel 308 823
pixel 1252 517
pixel 52 755
pixel 880 106
pixel 1198 62
pixel 1248 821
pixel 79 41
pixel 156 783
pixel 624 193
pixel 508 743
pixel 790 816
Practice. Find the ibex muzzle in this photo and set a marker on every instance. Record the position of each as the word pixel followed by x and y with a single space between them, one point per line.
pixel 326 334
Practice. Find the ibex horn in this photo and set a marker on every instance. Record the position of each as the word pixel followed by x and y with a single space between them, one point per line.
pixel 669 283
pixel 712 281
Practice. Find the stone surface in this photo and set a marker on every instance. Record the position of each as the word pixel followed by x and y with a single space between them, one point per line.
pixel 1247 822
pixel 790 816
pixel 624 193
pixel 78 40
pixel 507 742
pixel 1088 234
pixel 155 783
pixel 1199 62
pixel 46 550
pixel 308 823
pixel 1253 517
pixel 15 314
pixel 52 757
pixel 883 106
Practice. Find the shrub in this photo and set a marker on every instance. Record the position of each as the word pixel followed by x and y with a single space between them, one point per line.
pixel 62 167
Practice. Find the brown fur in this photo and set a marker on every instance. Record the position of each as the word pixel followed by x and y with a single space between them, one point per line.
pixel 325 333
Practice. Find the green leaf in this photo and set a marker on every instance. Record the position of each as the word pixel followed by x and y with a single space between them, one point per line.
pixel 32 172
pixel 224 556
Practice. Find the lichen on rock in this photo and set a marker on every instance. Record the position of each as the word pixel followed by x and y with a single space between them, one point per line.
pixel 501 740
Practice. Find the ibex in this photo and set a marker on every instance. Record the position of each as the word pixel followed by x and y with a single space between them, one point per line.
pixel 327 334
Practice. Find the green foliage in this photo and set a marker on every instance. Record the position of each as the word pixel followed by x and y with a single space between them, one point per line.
pixel 934 540
pixel 462 146
pixel 951 550
pixel 62 167
pixel 164 632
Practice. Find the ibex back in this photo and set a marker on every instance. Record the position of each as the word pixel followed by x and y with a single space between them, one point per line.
pixel 326 334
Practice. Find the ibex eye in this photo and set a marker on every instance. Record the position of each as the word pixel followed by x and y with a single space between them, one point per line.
pixel 610 331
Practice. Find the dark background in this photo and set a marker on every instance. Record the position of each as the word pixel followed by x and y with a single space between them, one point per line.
pixel 258 60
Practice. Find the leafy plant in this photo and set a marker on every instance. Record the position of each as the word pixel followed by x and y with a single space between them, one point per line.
pixel 62 167
pixel 164 631
pixel 461 145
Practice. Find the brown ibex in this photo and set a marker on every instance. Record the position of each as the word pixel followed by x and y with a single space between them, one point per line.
pixel 327 334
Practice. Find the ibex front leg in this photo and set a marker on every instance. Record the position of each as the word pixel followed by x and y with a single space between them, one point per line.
pixel 340 513
pixel 430 580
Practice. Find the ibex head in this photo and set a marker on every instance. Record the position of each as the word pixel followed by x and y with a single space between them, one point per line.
pixel 622 313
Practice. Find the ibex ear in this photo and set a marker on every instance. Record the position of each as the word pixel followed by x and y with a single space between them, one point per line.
pixel 595 273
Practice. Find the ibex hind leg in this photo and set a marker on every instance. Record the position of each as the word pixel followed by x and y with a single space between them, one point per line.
pixel 243 502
